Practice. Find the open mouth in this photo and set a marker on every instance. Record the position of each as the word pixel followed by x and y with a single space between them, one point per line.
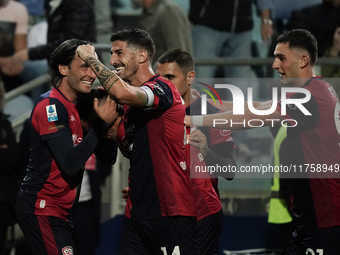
pixel 281 75
pixel 119 70
pixel 87 82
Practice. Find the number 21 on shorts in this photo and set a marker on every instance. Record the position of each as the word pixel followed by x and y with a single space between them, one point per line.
pixel 309 251
pixel 174 252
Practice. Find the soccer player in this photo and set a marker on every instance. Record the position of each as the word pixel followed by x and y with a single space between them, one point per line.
pixel 213 145
pixel 315 143
pixel 163 208
pixel 49 193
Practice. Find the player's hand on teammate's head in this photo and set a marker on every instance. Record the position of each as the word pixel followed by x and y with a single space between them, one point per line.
pixel 85 51
pixel 107 111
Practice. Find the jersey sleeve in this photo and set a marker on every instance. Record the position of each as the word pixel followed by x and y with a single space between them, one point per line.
pixel 296 117
pixel 222 150
pixel 50 119
pixel 163 95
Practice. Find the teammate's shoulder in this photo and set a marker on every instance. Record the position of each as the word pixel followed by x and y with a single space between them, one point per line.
pixel 47 98
pixel 318 87
pixel 316 81
pixel 161 85
pixel 47 103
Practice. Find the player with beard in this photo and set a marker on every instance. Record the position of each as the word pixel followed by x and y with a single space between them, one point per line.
pixel 163 208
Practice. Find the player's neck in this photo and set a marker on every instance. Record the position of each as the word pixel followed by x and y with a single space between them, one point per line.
pixel 189 98
pixel 304 77
pixel 142 75
pixel 69 93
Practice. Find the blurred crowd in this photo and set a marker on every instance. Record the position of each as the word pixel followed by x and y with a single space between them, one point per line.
pixel 30 30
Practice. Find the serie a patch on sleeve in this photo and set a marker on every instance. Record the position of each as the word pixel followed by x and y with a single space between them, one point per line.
pixel 51 113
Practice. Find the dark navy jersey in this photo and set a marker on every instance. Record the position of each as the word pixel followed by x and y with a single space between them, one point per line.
pixel 315 140
pixel 45 189
pixel 155 138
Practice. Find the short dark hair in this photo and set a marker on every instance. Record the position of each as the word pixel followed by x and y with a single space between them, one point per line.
pixel 136 38
pixel 179 56
pixel 63 55
pixel 301 39
pixel 85 104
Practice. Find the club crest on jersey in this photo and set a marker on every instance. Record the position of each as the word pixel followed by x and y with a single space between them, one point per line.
pixel 67 250
pixel 225 132
pixel 51 113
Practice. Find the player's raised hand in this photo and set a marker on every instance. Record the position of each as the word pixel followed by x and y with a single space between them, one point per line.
pixel 86 51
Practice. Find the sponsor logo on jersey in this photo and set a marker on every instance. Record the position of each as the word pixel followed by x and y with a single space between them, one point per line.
pixel 183 165
pixel 51 113
pixel 200 157
pixel 76 139
pixel 42 204
pixel 159 89
pixel 73 118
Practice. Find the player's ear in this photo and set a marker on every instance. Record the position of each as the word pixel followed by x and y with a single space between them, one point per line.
pixel 63 70
pixel 191 77
pixel 142 56
pixel 304 61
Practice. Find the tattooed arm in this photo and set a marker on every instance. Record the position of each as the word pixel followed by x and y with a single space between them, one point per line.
pixel 122 92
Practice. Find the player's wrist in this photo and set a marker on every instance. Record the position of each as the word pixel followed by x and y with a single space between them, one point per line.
pixel 206 152
pixel 197 120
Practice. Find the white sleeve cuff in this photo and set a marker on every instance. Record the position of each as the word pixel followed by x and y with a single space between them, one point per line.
pixel 197 120
pixel 149 94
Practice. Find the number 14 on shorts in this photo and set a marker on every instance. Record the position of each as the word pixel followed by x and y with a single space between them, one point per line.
pixel 174 252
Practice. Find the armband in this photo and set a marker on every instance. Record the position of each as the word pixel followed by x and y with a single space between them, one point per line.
pixel 149 96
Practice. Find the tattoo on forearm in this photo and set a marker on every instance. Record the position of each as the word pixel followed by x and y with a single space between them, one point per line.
pixel 107 88
pixel 106 77
pixel 142 97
